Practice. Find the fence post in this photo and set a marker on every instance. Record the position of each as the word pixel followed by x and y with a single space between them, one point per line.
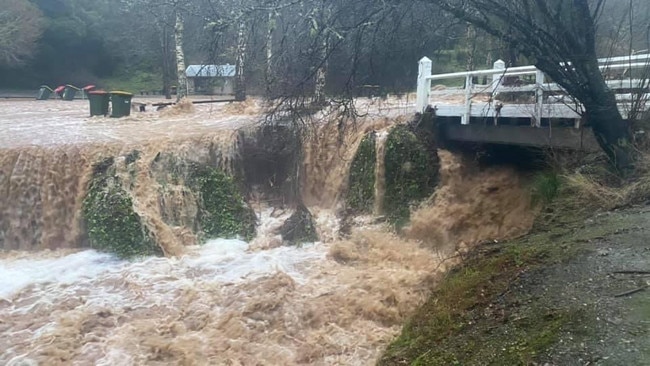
pixel 539 97
pixel 424 85
pixel 497 79
pixel 465 118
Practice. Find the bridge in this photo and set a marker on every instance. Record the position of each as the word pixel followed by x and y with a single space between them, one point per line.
pixel 517 106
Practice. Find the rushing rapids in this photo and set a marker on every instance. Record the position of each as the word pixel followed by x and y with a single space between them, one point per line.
pixel 226 301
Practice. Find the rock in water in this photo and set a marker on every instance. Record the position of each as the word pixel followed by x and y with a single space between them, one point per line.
pixel 299 228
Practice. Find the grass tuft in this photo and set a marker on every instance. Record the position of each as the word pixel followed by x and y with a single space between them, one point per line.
pixel 546 187
pixel 598 191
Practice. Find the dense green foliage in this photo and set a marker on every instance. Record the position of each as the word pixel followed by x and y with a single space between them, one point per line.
pixel 223 212
pixel 546 186
pixel 111 223
pixel 361 191
pixel 411 173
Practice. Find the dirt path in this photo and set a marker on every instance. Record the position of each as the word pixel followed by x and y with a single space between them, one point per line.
pixel 616 327
pixel 547 299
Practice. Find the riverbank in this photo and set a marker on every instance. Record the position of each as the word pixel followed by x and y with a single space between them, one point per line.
pixel 562 295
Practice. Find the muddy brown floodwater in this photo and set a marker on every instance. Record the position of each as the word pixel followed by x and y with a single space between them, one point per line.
pixel 54 122
pixel 227 302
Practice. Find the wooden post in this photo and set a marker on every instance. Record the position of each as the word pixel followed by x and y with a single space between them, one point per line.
pixel 424 85
pixel 539 97
pixel 465 118
pixel 497 79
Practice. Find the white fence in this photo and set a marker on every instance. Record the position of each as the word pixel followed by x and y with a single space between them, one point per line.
pixel 547 99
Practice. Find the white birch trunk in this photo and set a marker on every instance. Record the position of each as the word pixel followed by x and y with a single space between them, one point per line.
pixel 180 57
pixel 240 79
pixel 321 74
pixel 269 48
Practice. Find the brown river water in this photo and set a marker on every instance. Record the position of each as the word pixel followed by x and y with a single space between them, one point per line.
pixel 339 301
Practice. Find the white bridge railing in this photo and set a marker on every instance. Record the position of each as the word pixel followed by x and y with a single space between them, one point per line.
pixel 546 101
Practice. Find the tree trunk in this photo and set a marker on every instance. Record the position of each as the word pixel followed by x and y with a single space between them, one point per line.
pixel 166 64
pixel 269 51
pixel 321 74
pixel 180 57
pixel 471 47
pixel 240 78
pixel 612 132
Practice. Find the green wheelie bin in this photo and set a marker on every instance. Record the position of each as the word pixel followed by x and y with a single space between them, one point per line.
pixel 44 93
pixel 121 104
pixel 69 92
pixel 99 101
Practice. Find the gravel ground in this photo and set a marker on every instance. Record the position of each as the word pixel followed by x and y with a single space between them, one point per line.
pixel 615 329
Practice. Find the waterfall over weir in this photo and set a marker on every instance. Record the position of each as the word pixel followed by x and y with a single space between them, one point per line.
pixel 208 300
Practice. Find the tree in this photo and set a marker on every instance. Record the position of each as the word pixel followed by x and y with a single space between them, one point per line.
pixel 21 25
pixel 152 42
pixel 560 37
pixel 240 61
pixel 320 24
pixel 179 29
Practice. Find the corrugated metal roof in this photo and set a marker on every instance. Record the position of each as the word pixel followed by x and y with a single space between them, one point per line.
pixel 210 71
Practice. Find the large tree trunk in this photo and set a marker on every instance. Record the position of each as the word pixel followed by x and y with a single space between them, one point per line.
pixel 612 132
pixel 613 135
pixel 240 65
pixel 180 57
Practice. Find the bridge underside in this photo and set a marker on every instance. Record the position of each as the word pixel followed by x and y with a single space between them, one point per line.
pixel 543 137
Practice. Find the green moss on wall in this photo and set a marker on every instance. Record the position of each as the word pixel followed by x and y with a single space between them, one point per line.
pixel 111 223
pixel 411 173
pixel 361 191
pixel 222 210
pixel 113 226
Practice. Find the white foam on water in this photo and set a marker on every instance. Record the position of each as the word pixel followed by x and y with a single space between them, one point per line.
pixel 93 281
pixel 220 260
pixel 15 275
